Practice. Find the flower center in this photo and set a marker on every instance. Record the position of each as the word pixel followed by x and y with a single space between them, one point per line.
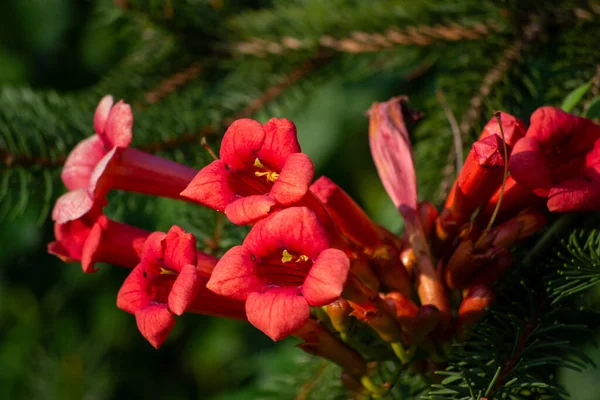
pixel 164 271
pixel 287 257
pixel 271 176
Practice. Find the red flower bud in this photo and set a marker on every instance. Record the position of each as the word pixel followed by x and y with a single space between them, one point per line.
pixel 339 314
pixel 474 305
pixel 348 216
pixel 479 178
pixel 319 341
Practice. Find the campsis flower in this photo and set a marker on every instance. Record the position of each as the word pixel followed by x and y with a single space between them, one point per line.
pixel 559 158
pixel 105 161
pixel 479 178
pixel 472 254
pixel 474 306
pixel 83 233
pixel 284 266
pixel 171 279
pixel 512 127
pixel 392 153
pixel 380 246
pixel 261 167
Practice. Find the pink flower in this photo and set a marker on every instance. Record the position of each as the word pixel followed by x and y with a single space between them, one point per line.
pixel 105 161
pixel 171 279
pixel 559 158
pixel 84 234
pixel 112 125
pixel 261 167
pixel 284 265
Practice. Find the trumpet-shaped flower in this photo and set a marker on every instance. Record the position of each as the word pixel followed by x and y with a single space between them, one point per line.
pixel 170 279
pixel 83 233
pixel 284 265
pixel 559 158
pixel 260 167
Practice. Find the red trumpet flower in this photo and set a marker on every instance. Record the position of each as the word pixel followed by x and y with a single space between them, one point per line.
pixel 284 265
pixel 105 161
pixel 477 181
pixel 260 167
pixel 171 279
pixel 112 125
pixel 84 234
pixel 559 158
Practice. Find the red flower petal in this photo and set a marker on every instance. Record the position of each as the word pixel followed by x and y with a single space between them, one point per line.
pixel 249 209
pixel 296 229
pixel 326 278
pixel 551 126
pixel 210 187
pixel 294 179
pixel 180 248
pixel 184 289
pixel 278 312
pixel 57 249
pixel 92 244
pixel 102 112
pixel 99 183
pixel 133 294
pixel 280 142
pixel 241 142
pixel 574 195
pixel 117 130
pixel 514 129
pixel 234 275
pixel 155 322
pixel 72 206
pixel 153 253
pixel 529 167
pixel 81 162
pixel 392 152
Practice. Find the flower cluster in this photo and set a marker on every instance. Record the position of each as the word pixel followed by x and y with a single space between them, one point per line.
pixel 310 244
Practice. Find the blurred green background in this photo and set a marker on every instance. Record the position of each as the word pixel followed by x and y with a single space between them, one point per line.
pixel 61 335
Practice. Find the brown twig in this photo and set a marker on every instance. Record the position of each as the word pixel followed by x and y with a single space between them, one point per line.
pixel 268 95
pixel 172 83
pixel 456 136
pixel 513 360
pixel 364 42
pixel 490 80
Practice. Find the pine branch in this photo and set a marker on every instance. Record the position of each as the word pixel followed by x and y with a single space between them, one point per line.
pixel 490 80
pixel 365 42
pixel 506 356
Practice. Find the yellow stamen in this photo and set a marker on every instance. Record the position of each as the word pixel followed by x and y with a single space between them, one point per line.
pixel 270 175
pixel 164 271
pixel 302 257
pixel 286 257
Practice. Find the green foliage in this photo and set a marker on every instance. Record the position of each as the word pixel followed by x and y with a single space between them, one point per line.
pixel 532 329
pixel 189 68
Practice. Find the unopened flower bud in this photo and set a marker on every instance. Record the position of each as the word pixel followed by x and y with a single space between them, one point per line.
pixel 319 341
pixel 339 314
pixel 474 305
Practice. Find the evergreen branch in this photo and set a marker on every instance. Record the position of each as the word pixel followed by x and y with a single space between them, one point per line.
pixel 172 83
pixel 365 42
pixel 527 320
pixel 490 80
pixel 576 267
pixel 256 104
